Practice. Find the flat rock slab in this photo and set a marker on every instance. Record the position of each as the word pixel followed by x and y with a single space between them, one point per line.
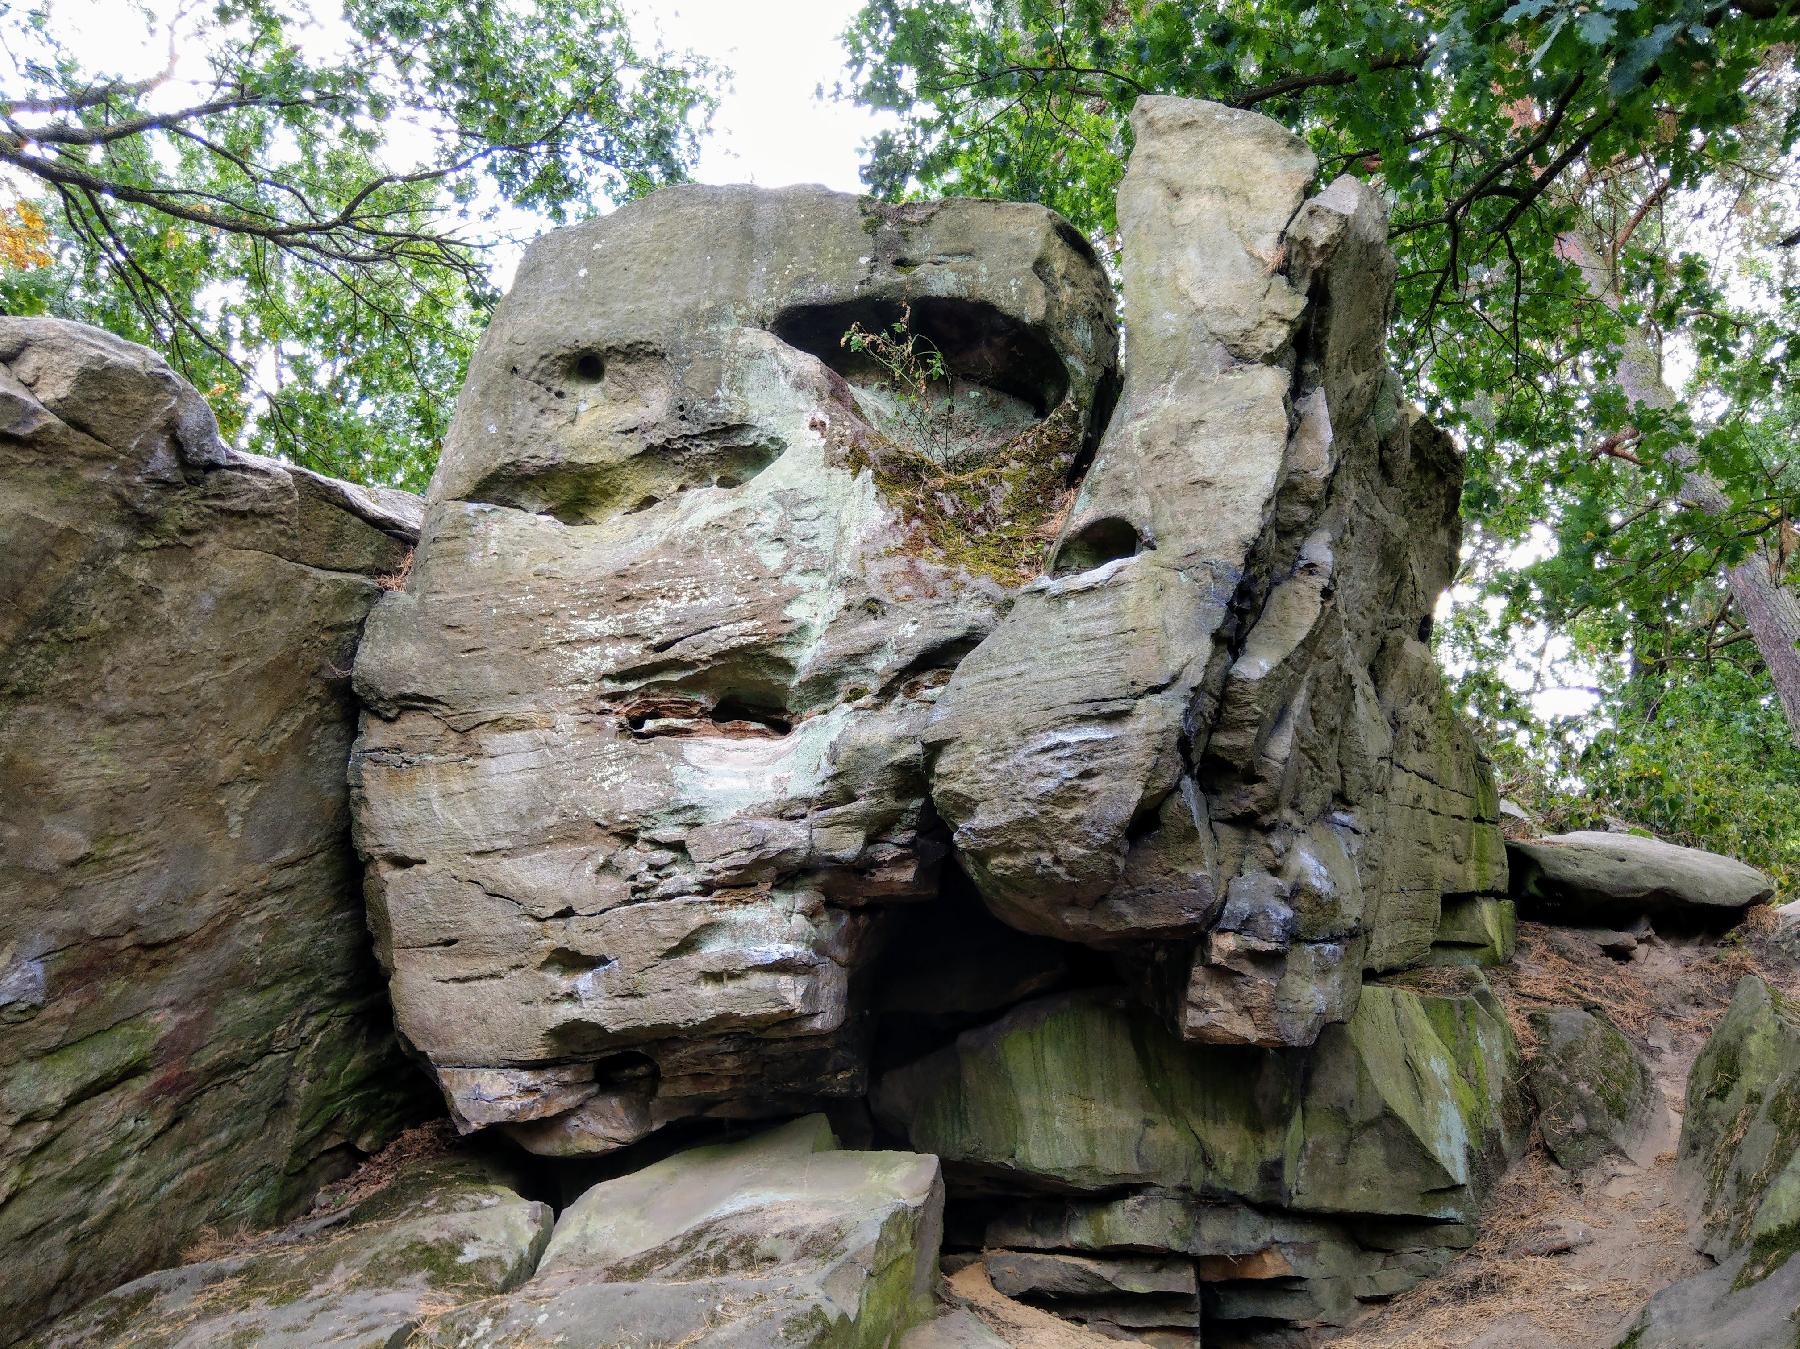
pixel 779 1240
pixel 1591 876
pixel 447 1231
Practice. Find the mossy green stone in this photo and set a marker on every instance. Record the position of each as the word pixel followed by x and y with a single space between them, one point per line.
pixel 1399 1112
pixel 1740 1137
pixel 1594 1091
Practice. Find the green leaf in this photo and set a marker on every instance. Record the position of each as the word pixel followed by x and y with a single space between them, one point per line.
pixel 1596 29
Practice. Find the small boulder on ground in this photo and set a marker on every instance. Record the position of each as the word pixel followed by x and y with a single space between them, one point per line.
pixel 777 1241
pixel 447 1231
pixel 1593 877
pixel 1594 1093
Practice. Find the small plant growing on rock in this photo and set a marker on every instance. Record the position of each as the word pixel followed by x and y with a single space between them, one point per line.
pixel 914 373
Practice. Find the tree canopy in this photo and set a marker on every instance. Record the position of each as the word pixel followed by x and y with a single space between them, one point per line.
pixel 300 207
pixel 1586 195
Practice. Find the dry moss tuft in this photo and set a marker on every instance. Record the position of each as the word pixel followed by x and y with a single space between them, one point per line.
pixel 418 1144
pixel 994 513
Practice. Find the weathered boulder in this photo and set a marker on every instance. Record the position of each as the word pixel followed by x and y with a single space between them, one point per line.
pixel 1592 876
pixel 444 1232
pixel 1740 1134
pixel 780 1240
pixel 195 1032
pixel 758 580
pixel 1594 1092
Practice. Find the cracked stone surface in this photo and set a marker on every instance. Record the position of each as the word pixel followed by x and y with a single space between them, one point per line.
pixel 195 1033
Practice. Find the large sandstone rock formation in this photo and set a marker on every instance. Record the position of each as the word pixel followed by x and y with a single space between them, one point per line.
pixel 194 1032
pixel 732 632
pixel 793 602
pixel 822 684
pixel 645 755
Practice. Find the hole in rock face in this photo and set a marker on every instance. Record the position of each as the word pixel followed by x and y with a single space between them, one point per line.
pixel 968 427
pixel 588 367
pixel 747 715
pixel 1078 241
pixel 1096 544
pixel 568 962
pixel 684 714
pixel 979 343
pixel 627 1068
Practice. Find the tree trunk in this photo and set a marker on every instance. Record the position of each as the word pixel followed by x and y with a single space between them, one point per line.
pixel 1771 610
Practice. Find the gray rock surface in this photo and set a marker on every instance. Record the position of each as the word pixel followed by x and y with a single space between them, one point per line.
pixel 1740 1132
pixel 443 1232
pixel 1592 876
pixel 195 1032
pixel 1721 1310
pixel 721 639
pixel 644 759
pixel 1740 1159
pixel 780 1240
pixel 954 1329
pixel 1595 1094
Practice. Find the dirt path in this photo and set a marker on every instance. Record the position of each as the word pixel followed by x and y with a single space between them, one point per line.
pixel 1565 1263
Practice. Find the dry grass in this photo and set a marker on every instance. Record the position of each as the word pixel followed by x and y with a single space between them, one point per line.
pixel 1498 1292
pixel 396 579
pixel 375 1174
pixel 1555 1301
pixel 211 1244
pixel 1557 968
pixel 417 1144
